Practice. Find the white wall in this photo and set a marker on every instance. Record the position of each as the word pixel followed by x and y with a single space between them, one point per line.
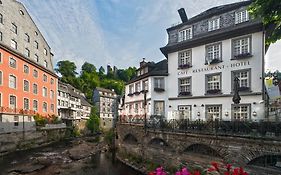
pixel 198 78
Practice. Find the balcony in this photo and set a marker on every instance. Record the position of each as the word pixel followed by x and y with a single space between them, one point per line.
pixel 16 111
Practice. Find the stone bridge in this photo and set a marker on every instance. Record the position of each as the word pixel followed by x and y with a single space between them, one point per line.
pixel 170 148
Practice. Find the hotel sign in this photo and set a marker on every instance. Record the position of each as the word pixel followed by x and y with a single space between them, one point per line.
pixel 217 67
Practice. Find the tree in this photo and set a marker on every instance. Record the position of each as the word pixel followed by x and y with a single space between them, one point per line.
pixel 101 71
pixel 88 67
pixel 94 121
pixel 67 69
pixel 269 11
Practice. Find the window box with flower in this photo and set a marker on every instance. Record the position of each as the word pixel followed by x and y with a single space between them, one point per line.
pixel 214 91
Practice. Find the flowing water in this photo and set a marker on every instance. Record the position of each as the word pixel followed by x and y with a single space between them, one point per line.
pixel 98 164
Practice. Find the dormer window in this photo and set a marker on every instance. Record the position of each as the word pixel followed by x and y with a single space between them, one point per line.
pixel 214 24
pixel 185 34
pixel 241 16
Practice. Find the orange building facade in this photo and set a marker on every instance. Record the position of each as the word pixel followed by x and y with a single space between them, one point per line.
pixel 28 83
pixel 26 88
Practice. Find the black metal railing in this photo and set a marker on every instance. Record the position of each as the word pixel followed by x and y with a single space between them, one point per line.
pixel 212 127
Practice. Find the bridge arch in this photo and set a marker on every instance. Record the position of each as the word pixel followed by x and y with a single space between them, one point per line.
pixel 267 160
pixel 202 149
pixel 158 142
pixel 130 139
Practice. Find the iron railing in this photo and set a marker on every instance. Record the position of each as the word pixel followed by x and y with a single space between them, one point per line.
pixel 212 127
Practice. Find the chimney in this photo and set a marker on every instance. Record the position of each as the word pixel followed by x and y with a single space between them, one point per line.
pixel 143 62
pixel 182 14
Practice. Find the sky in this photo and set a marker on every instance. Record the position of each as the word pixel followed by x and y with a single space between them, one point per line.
pixel 117 32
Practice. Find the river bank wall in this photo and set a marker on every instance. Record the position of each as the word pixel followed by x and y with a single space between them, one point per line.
pixel 14 141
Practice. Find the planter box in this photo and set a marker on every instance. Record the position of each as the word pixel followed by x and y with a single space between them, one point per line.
pixel 159 89
pixel 185 66
pixel 214 91
pixel 214 61
pixel 242 56
pixel 184 93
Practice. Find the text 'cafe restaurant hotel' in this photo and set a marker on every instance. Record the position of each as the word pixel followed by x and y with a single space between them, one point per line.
pixel 204 55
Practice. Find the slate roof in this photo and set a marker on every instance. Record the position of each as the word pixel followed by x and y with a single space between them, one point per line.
pixel 104 90
pixel 212 12
pixel 155 69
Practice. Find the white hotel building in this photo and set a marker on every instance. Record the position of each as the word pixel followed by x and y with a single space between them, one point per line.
pixel 204 55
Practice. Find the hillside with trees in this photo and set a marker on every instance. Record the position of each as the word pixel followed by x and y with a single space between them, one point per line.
pixel 89 78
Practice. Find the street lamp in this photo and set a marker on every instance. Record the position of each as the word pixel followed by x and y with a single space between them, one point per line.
pixel 236 97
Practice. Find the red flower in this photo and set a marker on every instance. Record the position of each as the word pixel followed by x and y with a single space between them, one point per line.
pixel 228 167
pixel 151 173
pixel 196 172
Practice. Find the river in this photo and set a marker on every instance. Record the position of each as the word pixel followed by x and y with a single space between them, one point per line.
pixel 55 159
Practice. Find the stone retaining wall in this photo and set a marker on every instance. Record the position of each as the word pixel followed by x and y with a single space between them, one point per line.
pixel 10 142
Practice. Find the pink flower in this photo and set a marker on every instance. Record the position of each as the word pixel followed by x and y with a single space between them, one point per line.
pixel 184 171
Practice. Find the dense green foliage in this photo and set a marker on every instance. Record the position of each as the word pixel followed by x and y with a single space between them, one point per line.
pixel 109 136
pixel 93 122
pixel 90 78
pixel 270 13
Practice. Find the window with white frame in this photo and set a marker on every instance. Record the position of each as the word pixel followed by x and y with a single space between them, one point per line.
pixel 241 16
pixel 1 36
pixel 136 108
pixel 213 83
pixel 145 85
pixel 184 111
pixel 52 81
pixel 45 51
pixel 52 94
pixel 13 102
pixel 131 89
pixel 45 78
pixel 52 107
pixel 45 107
pixel 214 24
pixel 14 28
pixel 213 112
pixel 159 83
pixel 26 104
pixel 36 58
pixel 13 62
pixel 185 86
pixel 35 89
pixel 12 81
pixel 35 73
pixel 36 45
pixel 159 108
pixel 213 52
pixel 1 78
pixel 26 37
pixel 244 79
pixel 1 55
pixel 27 52
pixel 35 105
pixel 25 69
pixel 130 108
pixel 241 112
pixel 45 63
pixel 241 46
pixel 185 34
pixel 137 87
pixel 185 59
pixel 44 92
pixel 25 85
pixel 14 44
